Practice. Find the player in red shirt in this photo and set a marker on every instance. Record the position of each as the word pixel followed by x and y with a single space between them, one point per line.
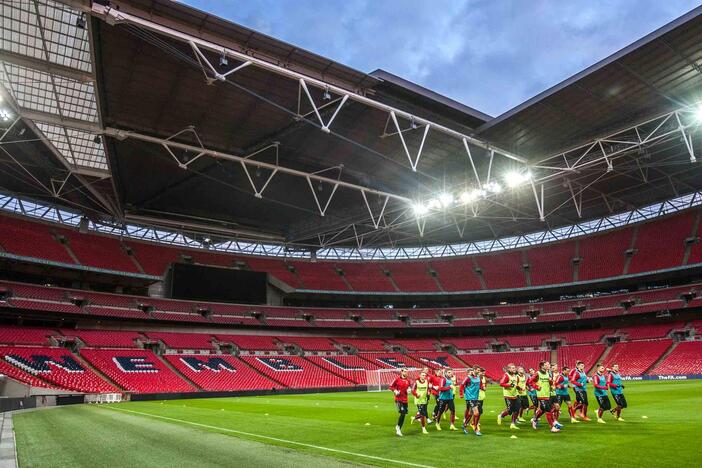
pixel 434 382
pixel 399 388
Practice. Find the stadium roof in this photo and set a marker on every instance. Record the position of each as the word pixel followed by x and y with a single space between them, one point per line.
pixel 152 112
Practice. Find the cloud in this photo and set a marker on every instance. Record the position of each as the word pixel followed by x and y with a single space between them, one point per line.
pixel 490 55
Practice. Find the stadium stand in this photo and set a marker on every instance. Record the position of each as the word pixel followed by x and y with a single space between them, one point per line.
pixel 25 336
pixel 603 255
pixel 588 353
pixel 295 371
pixel 21 237
pixel 388 360
pixel 468 343
pixel 104 338
pixel 352 368
pixel 600 256
pixel 634 358
pixel 136 370
pixel 494 363
pixel 552 264
pixel 674 229
pixel 456 274
pixel 57 366
pixel 685 358
pixel 219 372
pixel 252 342
pixel 502 271
pixel 646 332
pixel 182 340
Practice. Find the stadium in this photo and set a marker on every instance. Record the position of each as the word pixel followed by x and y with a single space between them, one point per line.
pixel 218 248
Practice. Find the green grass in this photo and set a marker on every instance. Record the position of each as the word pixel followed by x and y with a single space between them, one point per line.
pixel 259 431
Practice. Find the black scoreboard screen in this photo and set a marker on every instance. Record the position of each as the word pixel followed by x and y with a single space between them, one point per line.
pixel 216 284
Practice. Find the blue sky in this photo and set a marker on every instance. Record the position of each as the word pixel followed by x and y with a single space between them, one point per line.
pixel 490 55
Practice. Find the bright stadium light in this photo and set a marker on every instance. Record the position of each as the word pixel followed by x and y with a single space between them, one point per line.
pixel 698 113
pixel 434 204
pixel 445 199
pixel 493 187
pixel 516 178
pixel 5 114
pixel 420 209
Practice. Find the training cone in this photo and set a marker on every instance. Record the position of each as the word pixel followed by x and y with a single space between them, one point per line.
pixel 644 417
pixel 513 437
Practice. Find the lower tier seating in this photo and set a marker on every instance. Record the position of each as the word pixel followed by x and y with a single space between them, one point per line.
pixel 219 372
pixel 295 371
pixel 56 366
pixel 686 358
pixel 634 358
pixel 136 370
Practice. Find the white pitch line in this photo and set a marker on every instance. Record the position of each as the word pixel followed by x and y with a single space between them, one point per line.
pixel 276 439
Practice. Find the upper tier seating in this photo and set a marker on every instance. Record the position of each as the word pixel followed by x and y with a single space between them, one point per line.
pixel 601 256
pixel 686 358
pixel 31 239
pixel 503 270
pixel 411 276
pixel 58 366
pixel 551 264
pixel 674 229
pixel 456 274
pixel 295 371
pixel 136 370
pixel 634 358
pixel 99 251
pixel 219 372
pixel 476 342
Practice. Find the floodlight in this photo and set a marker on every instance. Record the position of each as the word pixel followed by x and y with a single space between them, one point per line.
pixel 223 61
pixel 434 204
pixel 327 95
pixel 516 178
pixel 420 209
pixel 5 114
pixel 493 187
pixel 698 113
pixel 445 199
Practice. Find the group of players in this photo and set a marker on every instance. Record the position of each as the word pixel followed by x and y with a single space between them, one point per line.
pixel 544 391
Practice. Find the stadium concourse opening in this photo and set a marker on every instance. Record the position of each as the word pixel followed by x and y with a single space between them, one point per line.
pixel 218 248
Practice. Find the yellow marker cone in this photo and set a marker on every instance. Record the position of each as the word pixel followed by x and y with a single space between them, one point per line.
pixel 367 424
pixel 513 437
pixel 644 417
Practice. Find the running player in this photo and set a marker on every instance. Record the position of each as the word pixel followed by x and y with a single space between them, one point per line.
pixel 481 394
pixel 418 416
pixel 542 383
pixel 446 396
pixel 531 391
pixel 510 391
pixel 523 396
pixel 562 383
pixel 399 388
pixel 420 391
pixel 470 390
pixel 434 382
pixel 554 398
pixel 599 381
pixel 617 388
pixel 578 379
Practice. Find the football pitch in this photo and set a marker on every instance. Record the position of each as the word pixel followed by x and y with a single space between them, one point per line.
pixel 662 427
